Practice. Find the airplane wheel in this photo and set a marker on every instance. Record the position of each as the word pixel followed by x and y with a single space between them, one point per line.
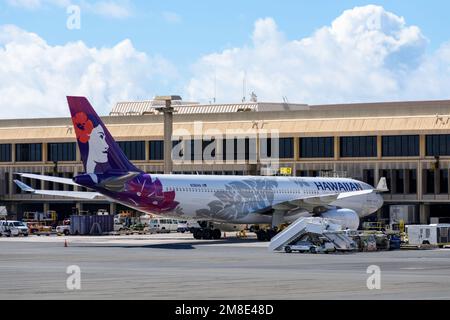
pixel 198 234
pixel 270 234
pixel 261 235
pixel 216 234
pixel 207 234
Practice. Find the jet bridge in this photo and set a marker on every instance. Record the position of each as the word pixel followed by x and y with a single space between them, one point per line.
pixel 318 226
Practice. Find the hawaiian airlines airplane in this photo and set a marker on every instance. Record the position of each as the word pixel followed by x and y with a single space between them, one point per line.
pixel 223 200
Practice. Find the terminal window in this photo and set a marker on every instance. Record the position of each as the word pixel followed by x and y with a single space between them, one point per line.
pixel 29 152
pixel 285 148
pixel 317 147
pixel 200 149
pixel 400 146
pixel 209 149
pixel 157 150
pixel 134 150
pixel 5 153
pixel 369 176
pixel 411 175
pixel 61 151
pixel 361 147
pixel 398 175
pixel 438 145
pixel 443 181
pixel 239 149
pixel 429 184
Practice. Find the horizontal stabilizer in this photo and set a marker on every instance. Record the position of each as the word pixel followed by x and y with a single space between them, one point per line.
pixel 68 194
pixel 48 178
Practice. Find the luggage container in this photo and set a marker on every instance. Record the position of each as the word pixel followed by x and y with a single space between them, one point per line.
pixel 86 225
pixel 435 234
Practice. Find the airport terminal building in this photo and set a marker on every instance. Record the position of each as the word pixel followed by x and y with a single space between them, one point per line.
pixel 406 142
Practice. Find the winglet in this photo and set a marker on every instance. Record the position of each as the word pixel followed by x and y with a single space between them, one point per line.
pixel 382 186
pixel 23 186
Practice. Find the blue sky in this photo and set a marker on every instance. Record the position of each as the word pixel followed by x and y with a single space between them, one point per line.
pixel 206 26
pixel 191 38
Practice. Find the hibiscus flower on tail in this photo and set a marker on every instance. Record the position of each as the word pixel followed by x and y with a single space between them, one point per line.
pixel 83 127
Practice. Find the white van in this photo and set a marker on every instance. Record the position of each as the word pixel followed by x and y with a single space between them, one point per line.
pixel 13 228
pixel 162 225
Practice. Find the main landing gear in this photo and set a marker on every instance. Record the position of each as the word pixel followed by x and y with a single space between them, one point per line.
pixel 207 234
pixel 268 234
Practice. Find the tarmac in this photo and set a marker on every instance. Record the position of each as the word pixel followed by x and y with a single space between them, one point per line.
pixel 174 266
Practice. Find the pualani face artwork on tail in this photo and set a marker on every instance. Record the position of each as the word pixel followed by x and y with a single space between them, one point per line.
pixel 222 199
pixel 104 161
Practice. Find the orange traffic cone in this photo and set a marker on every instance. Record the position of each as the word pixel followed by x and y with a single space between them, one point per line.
pixel 65 243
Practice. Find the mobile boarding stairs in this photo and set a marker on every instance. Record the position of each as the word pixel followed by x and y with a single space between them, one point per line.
pixel 317 226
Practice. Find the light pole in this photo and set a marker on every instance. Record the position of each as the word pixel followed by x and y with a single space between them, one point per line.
pixel 167 111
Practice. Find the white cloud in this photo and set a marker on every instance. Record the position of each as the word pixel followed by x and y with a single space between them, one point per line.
pixel 366 54
pixel 35 77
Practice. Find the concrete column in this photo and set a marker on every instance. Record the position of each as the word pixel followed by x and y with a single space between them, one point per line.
pixel 296 148
pixel 424 213
pixel 419 175
pixel 77 154
pixel 112 208
pixel 376 174
pixel 44 152
pixel 44 184
pixel 75 173
pixel 11 183
pixel 168 121
pixel 147 151
pixel 79 206
pixel 13 153
pixel 422 146
pixel 337 148
pixel 219 150
pixel 379 147
pixel 14 208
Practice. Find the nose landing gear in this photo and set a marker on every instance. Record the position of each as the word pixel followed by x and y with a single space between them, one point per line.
pixel 266 235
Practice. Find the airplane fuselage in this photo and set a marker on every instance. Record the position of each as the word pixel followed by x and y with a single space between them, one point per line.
pixel 236 199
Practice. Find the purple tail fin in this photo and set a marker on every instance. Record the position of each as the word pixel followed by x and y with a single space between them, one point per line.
pixel 99 152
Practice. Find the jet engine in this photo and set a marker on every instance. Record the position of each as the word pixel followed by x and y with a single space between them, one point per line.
pixel 347 218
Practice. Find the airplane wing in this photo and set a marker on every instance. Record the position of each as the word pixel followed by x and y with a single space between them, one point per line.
pixel 69 194
pixel 48 178
pixel 311 202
